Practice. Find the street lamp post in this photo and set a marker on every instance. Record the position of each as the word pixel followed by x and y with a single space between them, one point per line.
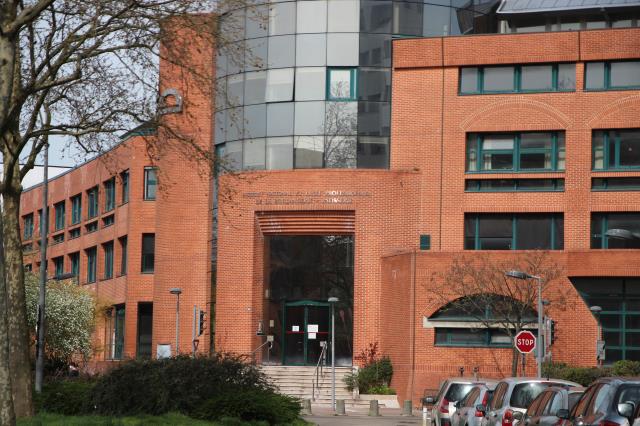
pixel 524 276
pixel 177 292
pixel 333 301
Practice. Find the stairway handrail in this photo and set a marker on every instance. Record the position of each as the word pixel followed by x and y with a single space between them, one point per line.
pixel 253 352
pixel 318 370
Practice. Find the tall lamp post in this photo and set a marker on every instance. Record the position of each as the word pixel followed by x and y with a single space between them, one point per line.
pixel 524 276
pixel 333 301
pixel 177 291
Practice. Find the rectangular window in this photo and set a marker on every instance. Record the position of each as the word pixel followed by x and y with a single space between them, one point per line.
pixel 514 231
pixel 616 149
pixel 74 258
pixel 123 255
pixel 27 226
pixel 513 185
pixel 124 177
pixel 150 183
pixel 43 222
pixel 59 210
pixel 92 200
pixel 76 209
pixel 148 252
pixel 615 230
pixel 615 184
pixel 107 248
pixel 92 259
pixel 115 332
pixel 515 152
pixel 57 239
pixel 91 227
pixel 110 194
pixel 612 75
pixel 341 84
pixel 74 233
pixel 108 221
pixel 475 337
pixel 518 78
pixel 58 264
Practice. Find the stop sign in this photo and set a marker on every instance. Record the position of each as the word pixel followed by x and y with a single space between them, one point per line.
pixel 525 342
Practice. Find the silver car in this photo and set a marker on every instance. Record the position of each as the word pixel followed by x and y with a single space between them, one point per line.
pixel 513 395
pixel 610 401
pixel 550 404
pixel 451 391
pixel 466 412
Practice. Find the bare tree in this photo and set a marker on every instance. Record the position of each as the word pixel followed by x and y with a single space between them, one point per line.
pixel 477 287
pixel 84 71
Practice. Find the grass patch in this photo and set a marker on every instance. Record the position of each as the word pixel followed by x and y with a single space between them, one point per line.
pixel 60 420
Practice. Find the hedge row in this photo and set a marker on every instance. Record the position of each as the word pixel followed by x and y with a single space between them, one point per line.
pixel 587 375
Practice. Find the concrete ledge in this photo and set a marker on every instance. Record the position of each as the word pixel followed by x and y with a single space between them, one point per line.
pixel 389 401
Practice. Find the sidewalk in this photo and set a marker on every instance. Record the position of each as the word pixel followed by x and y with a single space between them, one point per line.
pixel 323 416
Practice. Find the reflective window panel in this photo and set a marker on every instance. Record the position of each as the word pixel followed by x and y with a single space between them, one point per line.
pixel 344 16
pixel 254 154
pixel 436 18
pixel 280 153
pixel 255 54
pixel 257 20
pixel 311 50
pixel 255 87
pixel 280 119
pixel 594 75
pixel 341 118
pixel 407 18
pixel 499 79
pixel 340 151
pixel 312 16
pixel 235 123
pixel 282 51
pixel 282 18
pixel 255 121
pixel 374 118
pixel 310 83
pixel 309 118
pixel 536 77
pixel 375 50
pixel 232 26
pixel 376 16
pixel 625 74
pixel 341 84
pixel 309 152
pixel 235 89
pixel 279 85
pixel 233 155
pixel 373 152
pixel 374 84
pixel 342 49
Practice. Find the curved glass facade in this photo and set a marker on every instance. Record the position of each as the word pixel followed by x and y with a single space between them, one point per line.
pixel 307 83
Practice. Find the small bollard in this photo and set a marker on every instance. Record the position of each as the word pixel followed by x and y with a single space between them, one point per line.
pixel 306 407
pixel 373 408
pixel 407 409
pixel 424 416
pixel 340 407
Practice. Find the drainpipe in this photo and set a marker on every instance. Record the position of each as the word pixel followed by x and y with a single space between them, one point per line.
pixel 412 331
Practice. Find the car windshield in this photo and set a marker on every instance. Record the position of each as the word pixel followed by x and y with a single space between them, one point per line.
pixel 524 393
pixel 457 391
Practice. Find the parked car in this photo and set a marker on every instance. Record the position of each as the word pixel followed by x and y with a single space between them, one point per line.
pixel 466 413
pixel 451 391
pixel 544 410
pixel 514 395
pixel 610 401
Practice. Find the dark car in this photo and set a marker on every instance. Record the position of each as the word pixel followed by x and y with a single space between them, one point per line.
pixel 610 401
pixel 544 410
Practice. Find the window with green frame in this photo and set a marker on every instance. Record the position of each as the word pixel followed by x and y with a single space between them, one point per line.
pixel 27 224
pixel 124 177
pixel 619 299
pixel 518 79
pixel 76 209
pixel 107 249
pixel 515 152
pixel 342 84
pixel 59 210
pixel 74 259
pixel 150 183
pixel 514 185
pixel 522 231
pixel 616 149
pixel 58 264
pixel 109 194
pixel 92 258
pixel 92 201
pixel 612 75
pixel 603 222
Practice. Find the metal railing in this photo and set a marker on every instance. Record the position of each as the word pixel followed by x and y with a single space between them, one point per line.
pixel 322 360
pixel 267 343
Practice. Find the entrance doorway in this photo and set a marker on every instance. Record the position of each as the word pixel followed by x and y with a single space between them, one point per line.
pixel 306 331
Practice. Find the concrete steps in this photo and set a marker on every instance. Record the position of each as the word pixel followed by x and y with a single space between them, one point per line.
pixel 298 381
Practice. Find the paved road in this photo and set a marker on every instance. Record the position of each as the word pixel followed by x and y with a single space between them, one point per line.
pixel 389 417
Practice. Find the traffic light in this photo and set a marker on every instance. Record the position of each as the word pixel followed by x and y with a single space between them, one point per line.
pixel 553 331
pixel 201 322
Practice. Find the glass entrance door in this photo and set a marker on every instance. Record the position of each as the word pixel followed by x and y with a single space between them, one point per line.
pixel 306 331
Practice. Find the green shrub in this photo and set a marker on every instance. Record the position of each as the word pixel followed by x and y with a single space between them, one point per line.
pixel 626 368
pixel 67 397
pixel 583 375
pixel 250 406
pixel 376 374
pixel 179 384
pixel 381 390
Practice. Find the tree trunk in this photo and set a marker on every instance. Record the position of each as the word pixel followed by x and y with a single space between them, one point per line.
pixel 19 354
pixel 7 415
pixel 515 356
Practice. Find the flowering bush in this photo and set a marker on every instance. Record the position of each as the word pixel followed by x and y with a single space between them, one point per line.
pixel 70 317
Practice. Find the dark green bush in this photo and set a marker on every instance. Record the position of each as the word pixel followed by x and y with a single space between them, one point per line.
pixel 179 384
pixel 376 374
pixel 583 375
pixel 381 390
pixel 626 368
pixel 66 397
pixel 250 405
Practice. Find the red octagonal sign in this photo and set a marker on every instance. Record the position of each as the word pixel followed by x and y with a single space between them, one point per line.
pixel 525 341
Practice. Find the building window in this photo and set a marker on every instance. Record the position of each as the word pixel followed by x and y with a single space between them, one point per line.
pixel 110 194
pixel 626 226
pixel 57 239
pixel 92 200
pixel 91 227
pixel 59 210
pixel 616 149
pixel 148 252
pixel 92 258
pixel 341 84
pixel 108 221
pixel 74 233
pixel 515 152
pixel 518 79
pixel 115 332
pixel 74 258
pixel 43 222
pixel 124 177
pixel 473 337
pixel 58 264
pixel 612 75
pixel 150 183
pixel 76 209
pixel 27 226
pixel 514 231
pixel 514 185
pixel 145 328
pixel 615 184
pixel 108 260
pixel 123 255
